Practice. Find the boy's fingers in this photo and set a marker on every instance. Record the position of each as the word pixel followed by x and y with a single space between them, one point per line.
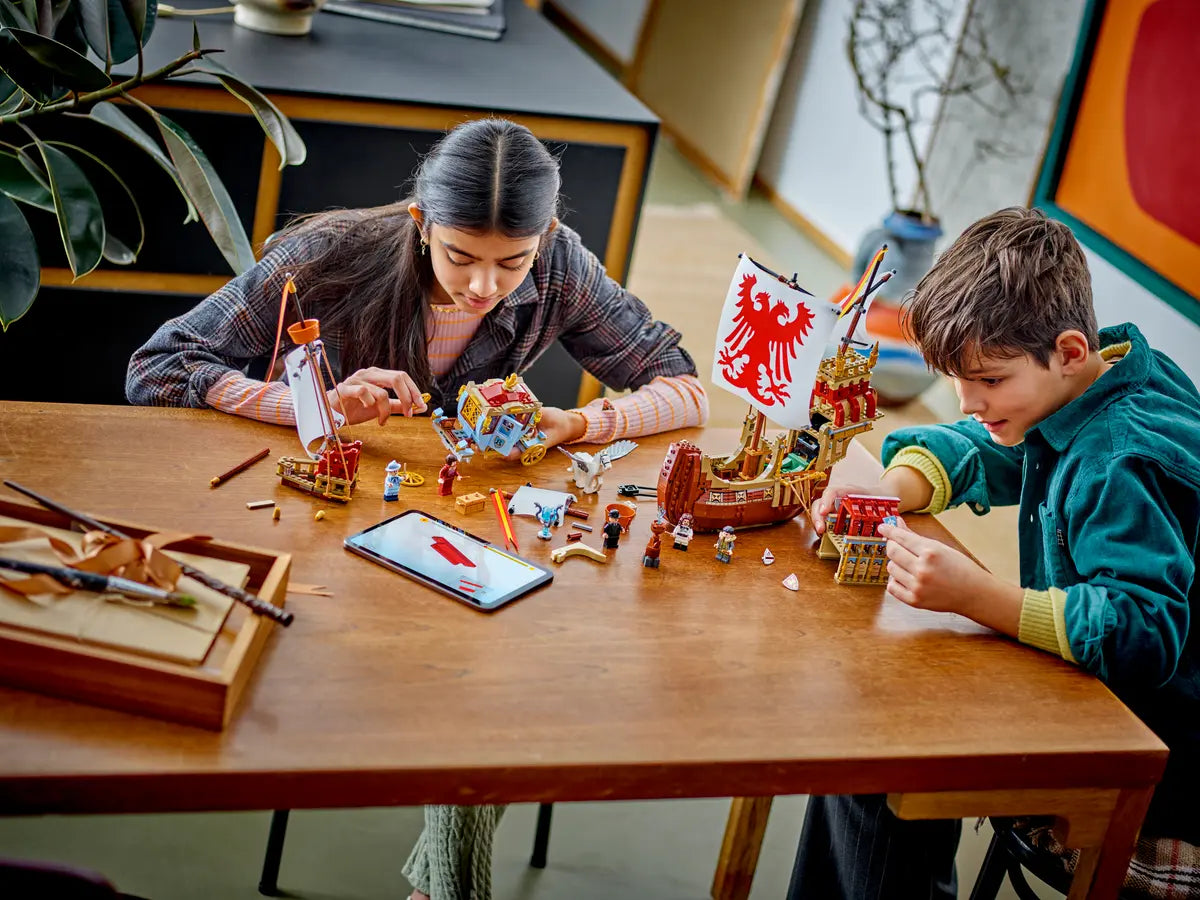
pixel 901 555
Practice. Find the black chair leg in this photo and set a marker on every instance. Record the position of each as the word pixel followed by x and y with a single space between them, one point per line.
pixel 992 872
pixel 541 837
pixel 268 884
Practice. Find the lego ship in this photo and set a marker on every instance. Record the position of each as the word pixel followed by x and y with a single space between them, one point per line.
pixel 770 479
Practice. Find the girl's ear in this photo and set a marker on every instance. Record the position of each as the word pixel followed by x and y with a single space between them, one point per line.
pixel 553 225
pixel 417 215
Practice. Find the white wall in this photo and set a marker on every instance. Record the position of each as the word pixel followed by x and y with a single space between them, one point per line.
pixel 821 156
pixel 614 24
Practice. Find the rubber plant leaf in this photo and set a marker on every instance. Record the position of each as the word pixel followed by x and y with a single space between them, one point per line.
pixel 69 68
pixel 19 184
pixel 93 16
pixel 80 221
pixel 19 263
pixel 275 124
pixel 212 200
pixel 26 72
pixel 115 250
pixel 112 116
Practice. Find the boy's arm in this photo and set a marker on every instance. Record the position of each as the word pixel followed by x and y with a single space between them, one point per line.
pixel 1123 614
pixel 961 462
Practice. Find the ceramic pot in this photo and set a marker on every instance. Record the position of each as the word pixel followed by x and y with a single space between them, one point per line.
pixel 901 373
pixel 291 17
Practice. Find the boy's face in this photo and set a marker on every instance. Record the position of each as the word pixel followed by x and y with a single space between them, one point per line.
pixel 1008 396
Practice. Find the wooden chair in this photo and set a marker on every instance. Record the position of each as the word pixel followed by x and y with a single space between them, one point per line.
pixel 268 882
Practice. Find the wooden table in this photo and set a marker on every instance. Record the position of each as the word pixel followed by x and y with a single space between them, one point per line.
pixel 617 682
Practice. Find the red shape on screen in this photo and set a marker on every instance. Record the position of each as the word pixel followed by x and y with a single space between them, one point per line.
pixel 452 554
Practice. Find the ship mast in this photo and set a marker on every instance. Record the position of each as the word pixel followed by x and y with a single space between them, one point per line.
pixel 860 306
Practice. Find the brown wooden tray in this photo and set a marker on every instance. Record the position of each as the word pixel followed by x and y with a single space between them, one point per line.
pixel 204 695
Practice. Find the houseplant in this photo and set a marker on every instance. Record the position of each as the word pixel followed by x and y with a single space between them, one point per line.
pixel 48 80
pixel 908 57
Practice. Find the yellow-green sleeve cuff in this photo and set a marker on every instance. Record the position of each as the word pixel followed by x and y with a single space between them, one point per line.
pixel 935 473
pixel 1043 624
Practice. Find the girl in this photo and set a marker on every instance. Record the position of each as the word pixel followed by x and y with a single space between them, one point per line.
pixel 471 278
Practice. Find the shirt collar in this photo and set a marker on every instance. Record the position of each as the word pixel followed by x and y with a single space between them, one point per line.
pixel 1060 427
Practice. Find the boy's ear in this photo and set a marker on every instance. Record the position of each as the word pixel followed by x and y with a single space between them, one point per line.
pixel 1073 351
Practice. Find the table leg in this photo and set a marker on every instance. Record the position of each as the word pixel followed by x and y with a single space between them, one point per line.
pixel 1102 866
pixel 739 851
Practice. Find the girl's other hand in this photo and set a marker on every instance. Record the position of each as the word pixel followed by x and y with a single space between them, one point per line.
pixel 367 394
pixel 561 426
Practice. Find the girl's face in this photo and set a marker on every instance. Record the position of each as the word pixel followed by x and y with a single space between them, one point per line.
pixel 475 272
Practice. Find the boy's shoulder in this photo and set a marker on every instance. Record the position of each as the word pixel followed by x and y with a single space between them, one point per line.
pixel 1143 406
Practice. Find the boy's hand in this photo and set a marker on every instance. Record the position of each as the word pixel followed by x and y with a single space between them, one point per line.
pixel 928 574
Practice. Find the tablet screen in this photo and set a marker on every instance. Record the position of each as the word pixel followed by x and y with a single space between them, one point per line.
pixel 445 557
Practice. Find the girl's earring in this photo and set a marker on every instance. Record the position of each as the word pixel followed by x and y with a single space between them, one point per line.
pixel 424 246
pixel 536 254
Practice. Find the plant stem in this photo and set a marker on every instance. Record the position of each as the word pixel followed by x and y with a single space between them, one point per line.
pixel 113 90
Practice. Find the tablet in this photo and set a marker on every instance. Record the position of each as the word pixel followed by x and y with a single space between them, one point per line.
pixel 448 559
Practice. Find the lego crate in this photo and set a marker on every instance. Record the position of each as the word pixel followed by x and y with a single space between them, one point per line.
pixel 206 694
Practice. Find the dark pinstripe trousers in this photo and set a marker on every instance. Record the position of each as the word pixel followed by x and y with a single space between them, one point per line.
pixel 854 848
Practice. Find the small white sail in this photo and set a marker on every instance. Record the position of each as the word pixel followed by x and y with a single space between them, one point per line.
pixel 307 385
pixel 770 341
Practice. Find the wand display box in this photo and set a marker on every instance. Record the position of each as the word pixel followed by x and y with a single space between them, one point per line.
pixel 152 662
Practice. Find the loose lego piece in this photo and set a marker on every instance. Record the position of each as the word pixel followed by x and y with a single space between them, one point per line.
pixel 650 556
pixel 276 514
pixel 470 503
pixel 573 536
pixel 506 524
pixel 724 544
pixel 579 548
pixel 588 469
pixel 768 557
pixel 612 530
pixel 447 475
pixel 391 481
pixel 578 513
pixel 625 511
pixel 792 583
pixel 683 532
pixel 259 504
pixel 498 416
pixel 579 525
pixel 320 515
pixel 547 515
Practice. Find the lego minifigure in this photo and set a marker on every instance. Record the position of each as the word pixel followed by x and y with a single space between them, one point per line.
pixel 654 545
pixel 683 532
pixel 724 544
pixel 612 530
pixel 391 481
pixel 447 475
pixel 547 515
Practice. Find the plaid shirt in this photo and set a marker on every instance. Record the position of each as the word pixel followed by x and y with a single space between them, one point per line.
pixel 567 296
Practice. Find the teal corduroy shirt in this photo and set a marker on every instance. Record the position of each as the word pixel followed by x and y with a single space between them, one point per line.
pixel 1109 495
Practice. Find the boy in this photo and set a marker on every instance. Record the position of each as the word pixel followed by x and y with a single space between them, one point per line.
pixel 1097 437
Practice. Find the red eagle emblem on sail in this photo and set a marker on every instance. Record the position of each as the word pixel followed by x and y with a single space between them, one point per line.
pixel 762 344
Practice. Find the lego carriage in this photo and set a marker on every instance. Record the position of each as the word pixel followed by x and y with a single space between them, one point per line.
pixel 498 416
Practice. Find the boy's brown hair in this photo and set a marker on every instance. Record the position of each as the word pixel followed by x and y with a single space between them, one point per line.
pixel 1009 285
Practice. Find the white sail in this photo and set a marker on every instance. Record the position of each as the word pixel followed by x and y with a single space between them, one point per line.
pixel 770 341
pixel 308 389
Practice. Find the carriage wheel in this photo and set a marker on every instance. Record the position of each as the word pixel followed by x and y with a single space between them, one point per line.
pixel 533 454
pixel 412 479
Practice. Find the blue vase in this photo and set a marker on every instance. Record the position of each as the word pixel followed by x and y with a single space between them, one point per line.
pixel 901 373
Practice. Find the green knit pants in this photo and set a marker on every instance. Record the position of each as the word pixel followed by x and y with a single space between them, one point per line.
pixel 452 859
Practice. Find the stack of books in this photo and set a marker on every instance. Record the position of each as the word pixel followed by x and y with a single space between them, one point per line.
pixel 473 18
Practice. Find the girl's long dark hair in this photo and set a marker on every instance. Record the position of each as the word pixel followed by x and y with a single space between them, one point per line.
pixel 372 281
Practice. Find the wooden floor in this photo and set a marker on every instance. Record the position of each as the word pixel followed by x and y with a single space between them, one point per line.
pixel 683 260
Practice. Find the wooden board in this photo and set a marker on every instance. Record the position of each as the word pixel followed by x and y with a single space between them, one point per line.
pixel 203 694
pixel 711 70
pixel 109 620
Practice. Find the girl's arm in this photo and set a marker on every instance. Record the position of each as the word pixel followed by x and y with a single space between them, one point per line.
pixel 666 403
pixel 190 354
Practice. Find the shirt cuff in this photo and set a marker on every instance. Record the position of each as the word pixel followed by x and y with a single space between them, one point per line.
pixel 935 473
pixel 1043 623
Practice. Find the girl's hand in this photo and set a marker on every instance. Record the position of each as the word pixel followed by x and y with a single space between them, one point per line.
pixel 365 396
pixel 560 426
